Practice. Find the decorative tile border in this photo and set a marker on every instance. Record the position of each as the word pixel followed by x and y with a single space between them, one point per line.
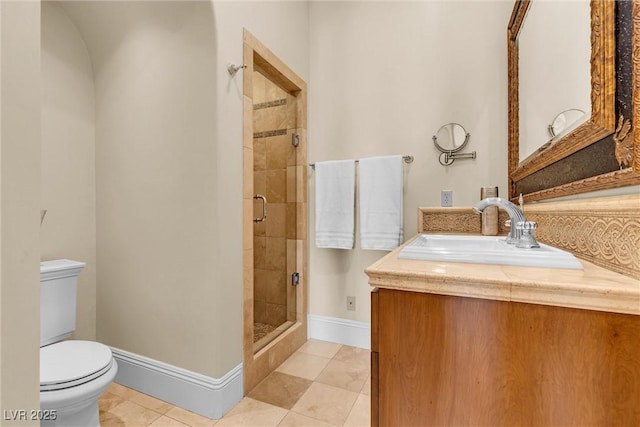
pixel 449 220
pixel 270 104
pixel 455 220
pixel 603 231
pixel 269 133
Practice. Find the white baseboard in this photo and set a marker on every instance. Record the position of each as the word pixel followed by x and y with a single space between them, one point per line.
pixel 341 331
pixel 206 396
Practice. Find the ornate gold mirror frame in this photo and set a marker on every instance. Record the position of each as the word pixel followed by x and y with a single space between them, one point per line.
pixel 540 176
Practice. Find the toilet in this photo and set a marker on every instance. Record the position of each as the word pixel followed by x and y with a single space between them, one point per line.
pixel 73 373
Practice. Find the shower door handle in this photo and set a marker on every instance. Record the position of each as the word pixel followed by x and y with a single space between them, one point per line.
pixel 264 208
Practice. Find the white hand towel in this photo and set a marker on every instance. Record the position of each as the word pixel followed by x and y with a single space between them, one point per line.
pixel 381 223
pixel 335 204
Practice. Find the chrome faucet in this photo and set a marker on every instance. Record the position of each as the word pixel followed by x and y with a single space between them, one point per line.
pixel 521 233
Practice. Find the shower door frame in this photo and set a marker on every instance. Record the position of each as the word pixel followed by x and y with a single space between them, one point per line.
pixel 257 365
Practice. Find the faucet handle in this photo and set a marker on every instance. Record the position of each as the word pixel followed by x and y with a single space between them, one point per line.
pixel 527 231
pixel 526 225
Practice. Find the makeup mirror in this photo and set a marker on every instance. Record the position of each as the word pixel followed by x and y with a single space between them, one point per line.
pixel 449 140
pixel 566 121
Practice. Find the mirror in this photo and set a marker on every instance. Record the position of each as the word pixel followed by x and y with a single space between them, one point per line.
pixel 583 157
pixel 555 50
pixel 566 121
pixel 451 138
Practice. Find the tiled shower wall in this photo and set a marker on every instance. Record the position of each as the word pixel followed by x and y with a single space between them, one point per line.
pixel 274 169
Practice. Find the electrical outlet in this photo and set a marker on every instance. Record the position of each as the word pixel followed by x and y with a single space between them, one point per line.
pixel 351 303
pixel 446 198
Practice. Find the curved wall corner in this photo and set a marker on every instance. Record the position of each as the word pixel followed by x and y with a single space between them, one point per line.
pixel 68 156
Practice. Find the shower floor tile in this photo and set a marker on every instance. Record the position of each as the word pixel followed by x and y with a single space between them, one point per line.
pixel 261 330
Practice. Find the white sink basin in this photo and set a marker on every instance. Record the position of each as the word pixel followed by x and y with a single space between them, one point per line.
pixel 485 250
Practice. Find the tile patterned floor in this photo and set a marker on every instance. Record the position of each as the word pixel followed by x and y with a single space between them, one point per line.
pixel 322 384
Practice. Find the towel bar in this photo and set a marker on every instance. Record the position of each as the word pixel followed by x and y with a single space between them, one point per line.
pixel 407 159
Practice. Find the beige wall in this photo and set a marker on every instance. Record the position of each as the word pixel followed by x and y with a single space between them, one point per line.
pixel 384 77
pixel 68 157
pixel 156 192
pixel 20 206
pixel 169 170
pixel 283 27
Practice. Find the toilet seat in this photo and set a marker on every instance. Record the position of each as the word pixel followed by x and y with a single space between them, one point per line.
pixel 69 364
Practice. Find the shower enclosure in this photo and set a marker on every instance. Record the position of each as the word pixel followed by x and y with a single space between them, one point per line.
pixel 274 213
pixel 274 231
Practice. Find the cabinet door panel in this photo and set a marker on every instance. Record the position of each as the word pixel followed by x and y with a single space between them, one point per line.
pixel 446 360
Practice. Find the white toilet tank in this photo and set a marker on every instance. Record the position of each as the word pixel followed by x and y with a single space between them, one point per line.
pixel 58 291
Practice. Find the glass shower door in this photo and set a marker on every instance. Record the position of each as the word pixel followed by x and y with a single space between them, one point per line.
pixel 275 181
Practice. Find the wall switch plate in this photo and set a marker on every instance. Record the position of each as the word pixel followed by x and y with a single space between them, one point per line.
pixel 446 198
pixel 351 303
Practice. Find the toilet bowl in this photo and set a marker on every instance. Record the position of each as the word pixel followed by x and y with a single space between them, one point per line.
pixel 73 373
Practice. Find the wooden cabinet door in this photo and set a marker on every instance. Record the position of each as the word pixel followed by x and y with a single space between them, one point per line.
pixel 450 361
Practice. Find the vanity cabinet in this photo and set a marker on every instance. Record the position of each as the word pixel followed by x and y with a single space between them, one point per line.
pixel 443 360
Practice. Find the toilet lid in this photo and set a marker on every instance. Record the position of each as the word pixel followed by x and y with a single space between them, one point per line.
pixel 71 363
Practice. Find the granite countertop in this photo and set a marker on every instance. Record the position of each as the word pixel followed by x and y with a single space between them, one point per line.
pixel 593 288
